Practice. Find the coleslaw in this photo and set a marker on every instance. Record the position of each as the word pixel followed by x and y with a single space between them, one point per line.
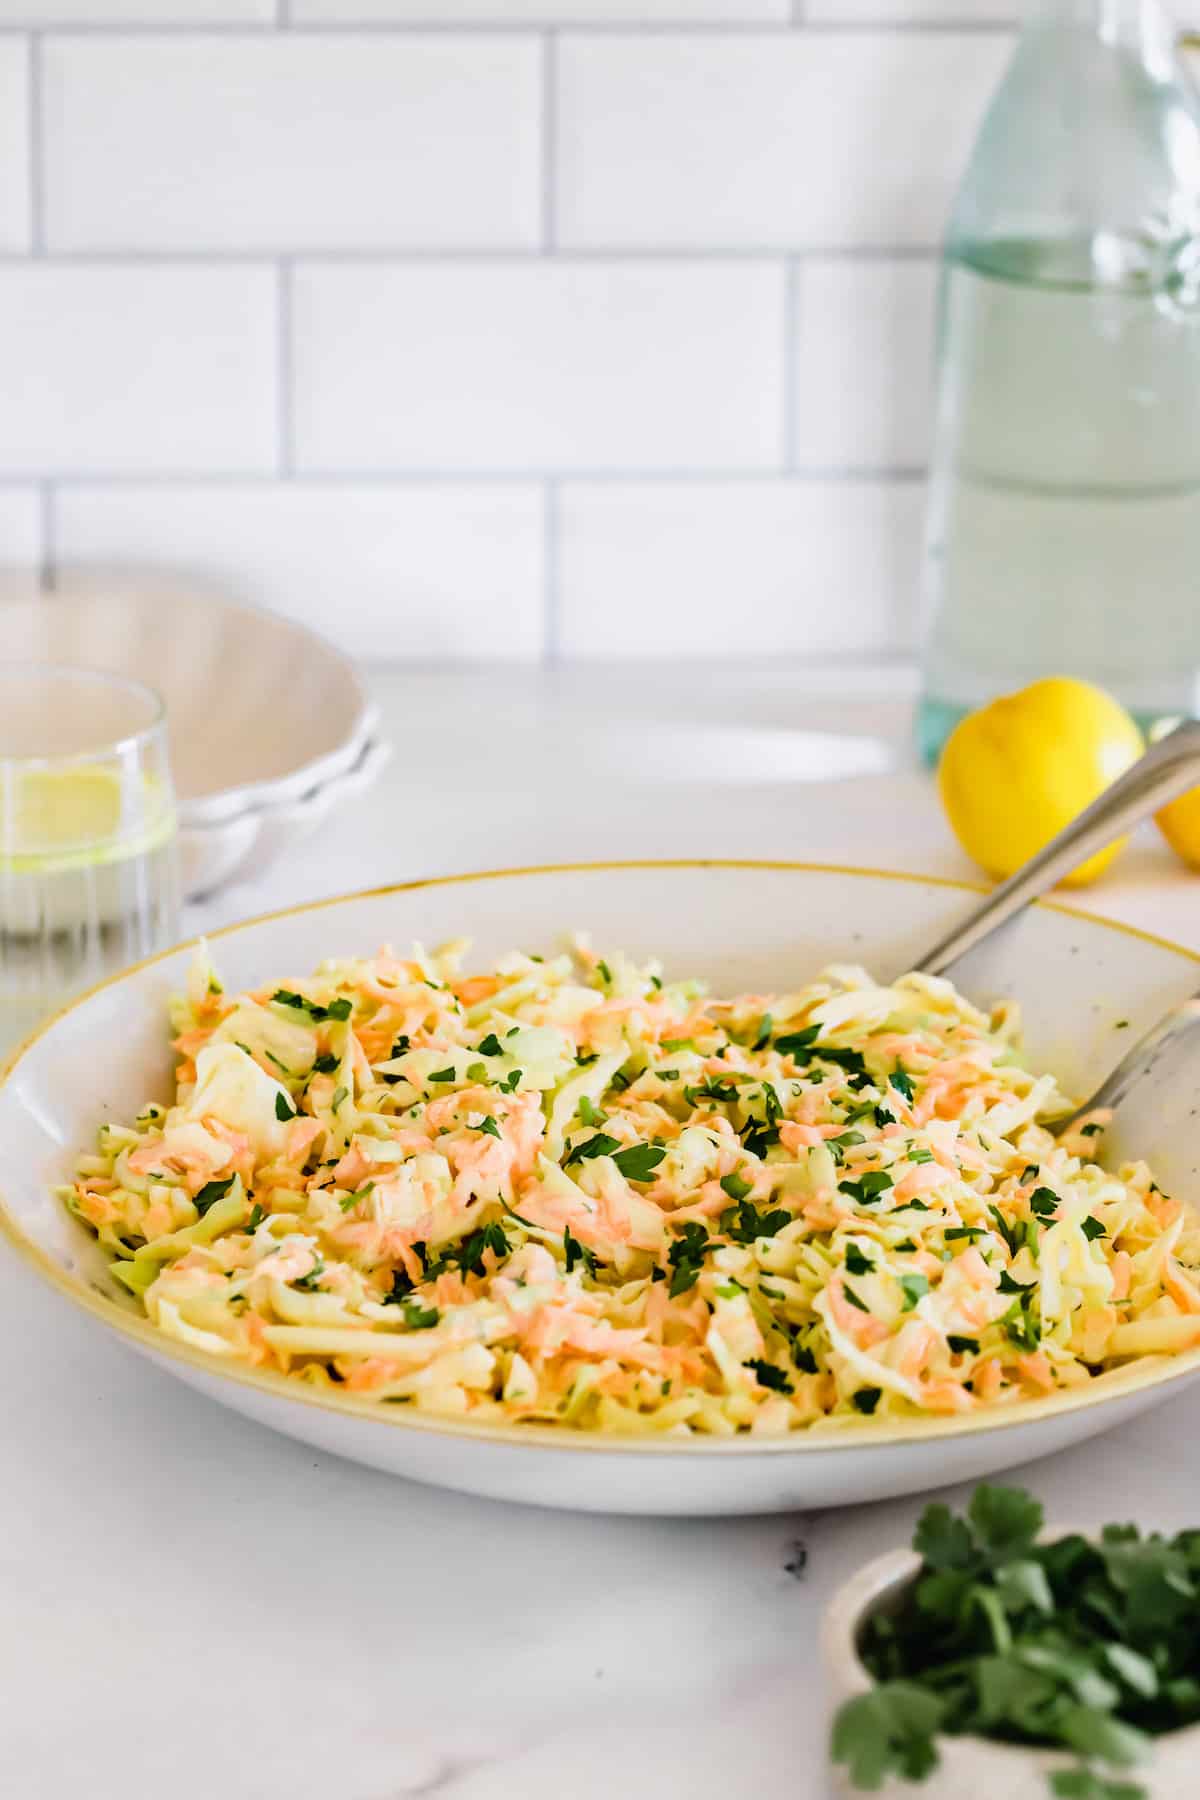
pixel 568 1191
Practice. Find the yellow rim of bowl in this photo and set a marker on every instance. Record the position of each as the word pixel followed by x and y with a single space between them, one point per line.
pixel 1135 1377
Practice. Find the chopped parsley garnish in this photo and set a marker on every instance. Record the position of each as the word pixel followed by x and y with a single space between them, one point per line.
pixel 914 1287
pixel 853 1298
pixel 211 1192
pixel 358 1194
pixel 576 1252
pixel 284 1110
pixel 798 1043
pixel 763 1038
pixel 639 1161
pixel 1092 1229
pixel 868 1189
pixel 326 1063
pixel 470 1253
pixel 768 1376
pixel 1044 1202
pixel 713 1089
pixel 735 1187
pixel 804 1359
pixel 686 1257
pixel 310 1281
pixel 401 1044
pixel 491 1046
pixel 337 1009
pixel 866 1399
pixel 601 1144
pixel 418 1317
pixel 402 1287
pixel 902 1082
pixel 970 1232
pixel 856 1262
pixel 962 1346
pixel 745 1224
pixel 509 1084
pixel 604 972
pixel 442 1074
pixel 488 1124
pixel 1030 1172
pixel 257 1215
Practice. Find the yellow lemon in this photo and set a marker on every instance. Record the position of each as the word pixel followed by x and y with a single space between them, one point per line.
pixel 1179 822
pixel 1015 772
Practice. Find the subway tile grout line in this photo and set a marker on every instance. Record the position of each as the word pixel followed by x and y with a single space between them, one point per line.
pixel 549 171
pixel 792 326
pixel 284 367
pixel 37 220
pixel 517 256
pixel 896 475
pixel 143 29
pixel 552 574
pixel 48 524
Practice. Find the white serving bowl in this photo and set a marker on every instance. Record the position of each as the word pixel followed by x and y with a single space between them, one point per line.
pixel 971 1768
pixel 264 715
pixel 742 926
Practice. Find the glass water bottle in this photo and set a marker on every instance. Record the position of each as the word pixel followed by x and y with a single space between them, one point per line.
pixel 1064 517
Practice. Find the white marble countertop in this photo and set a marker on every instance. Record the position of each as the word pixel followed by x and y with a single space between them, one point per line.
pixel 195 1608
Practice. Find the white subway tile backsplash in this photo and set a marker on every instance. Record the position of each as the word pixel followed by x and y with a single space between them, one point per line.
pixel 279 142
pixel 447 572
pixel 20 536
pixel 791 139
pixel 510 366
pixel 913 12
pixel 15 173
pixel 122 370
pixel 864 348
pixel 741 570
pixel 548 12
pixel 40 13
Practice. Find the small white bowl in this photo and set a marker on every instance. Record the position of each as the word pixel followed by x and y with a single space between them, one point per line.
pixel 263 713
pixel 971 1768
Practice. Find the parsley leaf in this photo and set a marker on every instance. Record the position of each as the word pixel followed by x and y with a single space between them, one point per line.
pixel 576 1252
pixel 856 1262
pixel 488 1124
pixel 735 1187
pixel 686 1257
pixel 491 1046
pixel 745 1224
pixel 769 1376
pixel 1044 1202
pixel 639 1161
pixel 210 1193
pixel 914 1287
pixel 601 1144
pixel 866 1399
pixel 418 1317
pixel 284 1110
pixel 867 1190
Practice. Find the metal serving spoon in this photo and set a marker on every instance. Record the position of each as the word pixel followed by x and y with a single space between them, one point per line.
pixel 1168 769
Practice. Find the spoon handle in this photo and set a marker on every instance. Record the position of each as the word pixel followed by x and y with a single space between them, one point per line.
pixel 1168 769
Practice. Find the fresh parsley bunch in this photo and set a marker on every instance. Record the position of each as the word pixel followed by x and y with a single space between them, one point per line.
pixel 1084 1645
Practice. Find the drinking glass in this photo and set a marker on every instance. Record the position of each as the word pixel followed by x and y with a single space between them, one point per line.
pixel 88 877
